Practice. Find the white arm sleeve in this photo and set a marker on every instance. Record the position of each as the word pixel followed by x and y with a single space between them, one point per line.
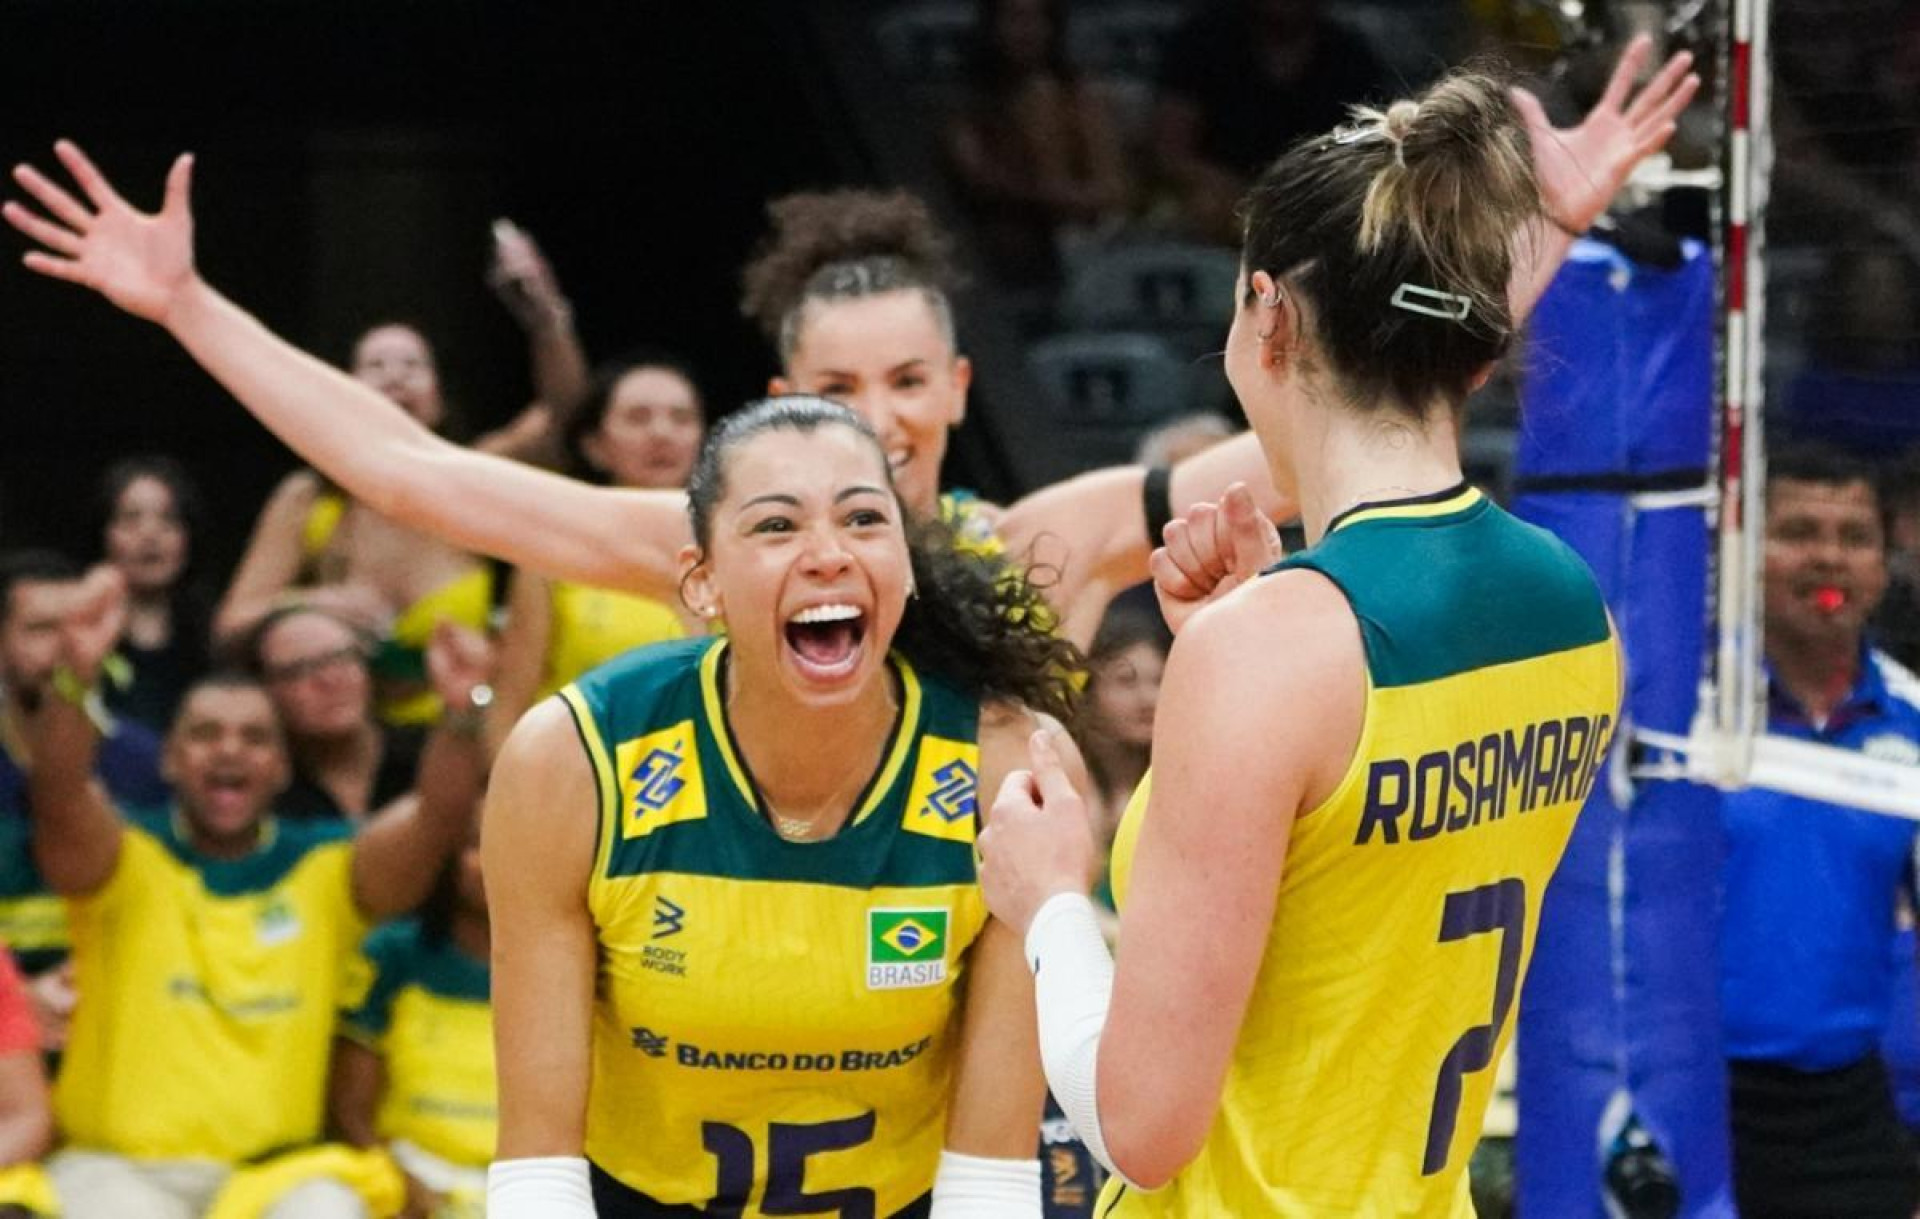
pixel 543 1187
pixel 1072 988
pixel 974 1187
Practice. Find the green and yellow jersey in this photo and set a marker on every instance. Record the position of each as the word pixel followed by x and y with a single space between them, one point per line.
pixel 1411 896
pixel 210 989
pixel 423 1006
pixel 774 1025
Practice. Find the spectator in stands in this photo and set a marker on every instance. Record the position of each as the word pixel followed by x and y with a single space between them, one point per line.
pixel 150 512
pixel 35 587
pixel 346 557
pixel 1811 888
pixel 1898 622
pixel 1242 81
pixel 1861 386
pixel 26 1119
pixel 346 763
pixel 413 1065
pixel 640 425
pixel 1033 147
pixel 208 941
pixel 1116 726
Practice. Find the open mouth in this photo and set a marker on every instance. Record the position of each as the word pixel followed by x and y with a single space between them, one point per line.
pixel 825 639
pixel 228 793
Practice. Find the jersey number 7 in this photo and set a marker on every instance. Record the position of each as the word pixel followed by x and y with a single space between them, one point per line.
pixel 788 1146
pixel 1500 906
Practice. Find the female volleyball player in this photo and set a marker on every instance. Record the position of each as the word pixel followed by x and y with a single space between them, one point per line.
pixel 860 312
pixel 1367 762
pixel 732 879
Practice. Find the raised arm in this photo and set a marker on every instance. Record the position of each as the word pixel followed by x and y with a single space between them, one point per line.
pixel 1089 534
pixel 524 281
pixel 76 833
pixel 537 846
pixel 1582 168
pixel 398 856
pixel 521 655
pixel 348 431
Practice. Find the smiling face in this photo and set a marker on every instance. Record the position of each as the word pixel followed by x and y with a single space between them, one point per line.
pixel 227 762
pixel 1826 560
pixel 650 432
pixel 146 537
pixel 397 361
pixel 888 359
pixel 807 563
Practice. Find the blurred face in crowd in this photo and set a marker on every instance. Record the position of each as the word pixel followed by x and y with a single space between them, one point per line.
pixel 146 537
pixel 807 563
pixel 30 634
pixel 887 358
pixel 315 666
pixel 1826 561
pixel 227 762
pixel 397 361
pixel 650 431
pixel 1125 690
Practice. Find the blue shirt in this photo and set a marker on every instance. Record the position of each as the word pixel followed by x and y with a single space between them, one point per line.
pixel 1810 891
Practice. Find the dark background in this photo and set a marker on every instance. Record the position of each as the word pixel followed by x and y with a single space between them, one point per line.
pixel 350 157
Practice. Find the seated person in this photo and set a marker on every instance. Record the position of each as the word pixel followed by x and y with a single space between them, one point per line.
pixel 34 586
pixel 346 762
pixel 413 1065
pixel 208 941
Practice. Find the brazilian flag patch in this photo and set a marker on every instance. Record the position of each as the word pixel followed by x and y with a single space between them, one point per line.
pixel 906 947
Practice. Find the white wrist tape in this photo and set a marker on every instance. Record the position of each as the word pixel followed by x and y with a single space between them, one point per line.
pixel 1072 988
pixel 543 1187
pixel 974 1187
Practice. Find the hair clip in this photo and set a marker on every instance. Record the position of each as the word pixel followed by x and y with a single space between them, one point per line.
pixel 1430 302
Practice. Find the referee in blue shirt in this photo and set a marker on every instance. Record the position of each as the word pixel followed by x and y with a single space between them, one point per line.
pixel 1811 889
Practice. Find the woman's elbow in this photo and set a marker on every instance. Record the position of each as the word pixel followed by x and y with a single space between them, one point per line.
pixel 1150 1144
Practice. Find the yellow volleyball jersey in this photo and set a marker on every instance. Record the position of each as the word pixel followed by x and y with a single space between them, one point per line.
pixel 210 989
pixel 1410 898
pixel 774 1025
pixel 424 1008
pixel 593 625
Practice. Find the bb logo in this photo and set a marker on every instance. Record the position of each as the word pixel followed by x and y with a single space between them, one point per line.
pixel 906 948
pixel 944 799
pixel 660 781
pixel 954 796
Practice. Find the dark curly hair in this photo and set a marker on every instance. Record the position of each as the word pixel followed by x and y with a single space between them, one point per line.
pixel 976 623
pixel 844 245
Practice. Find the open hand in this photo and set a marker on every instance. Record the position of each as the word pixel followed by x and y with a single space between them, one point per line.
pixel 1581 168
pixel 1038 842
pixel 137 260
pixel 1209 552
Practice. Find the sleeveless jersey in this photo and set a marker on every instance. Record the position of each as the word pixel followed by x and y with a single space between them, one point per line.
pixel 774 1023
pixel 1410 897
